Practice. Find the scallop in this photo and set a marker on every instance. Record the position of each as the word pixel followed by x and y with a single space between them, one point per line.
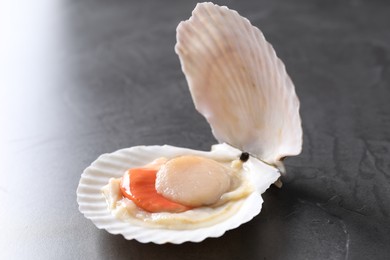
pixel 242 89
pixel 193 180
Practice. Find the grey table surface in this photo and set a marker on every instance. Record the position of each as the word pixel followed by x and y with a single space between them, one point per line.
pixel 83 78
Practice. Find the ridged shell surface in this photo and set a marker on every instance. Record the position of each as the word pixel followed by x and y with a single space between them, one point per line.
pixel 239 84
pixel 93 205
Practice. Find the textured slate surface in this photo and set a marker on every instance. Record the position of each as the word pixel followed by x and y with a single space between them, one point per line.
pixel 82 78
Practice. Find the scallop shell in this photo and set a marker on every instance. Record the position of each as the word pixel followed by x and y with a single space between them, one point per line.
pixel 93 205
pixel 239 84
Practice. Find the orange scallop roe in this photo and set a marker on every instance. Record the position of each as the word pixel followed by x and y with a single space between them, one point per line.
pixel 138 185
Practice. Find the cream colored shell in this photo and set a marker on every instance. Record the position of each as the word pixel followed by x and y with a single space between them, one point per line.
pixel 93 204
pixel 239 84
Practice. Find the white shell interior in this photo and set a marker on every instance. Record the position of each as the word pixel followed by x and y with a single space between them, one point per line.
pixel 239 84
pixel 93 205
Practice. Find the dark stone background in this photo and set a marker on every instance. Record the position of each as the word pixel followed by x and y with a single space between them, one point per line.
pixel 82 78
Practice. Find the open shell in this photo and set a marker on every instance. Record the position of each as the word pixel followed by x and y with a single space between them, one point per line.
pixel 239 84
pixel 93 205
